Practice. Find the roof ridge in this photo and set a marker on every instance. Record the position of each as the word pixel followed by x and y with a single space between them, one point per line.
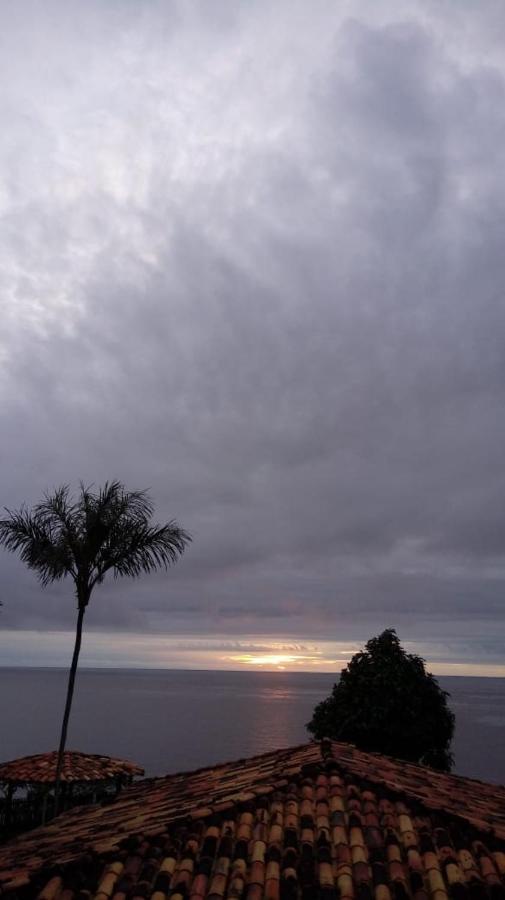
pixel 430 789
pixel 405 763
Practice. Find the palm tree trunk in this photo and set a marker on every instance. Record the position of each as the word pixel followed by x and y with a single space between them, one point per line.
pixel 68 703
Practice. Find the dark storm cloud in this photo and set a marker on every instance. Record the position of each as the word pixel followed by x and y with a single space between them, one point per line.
pixel 262 274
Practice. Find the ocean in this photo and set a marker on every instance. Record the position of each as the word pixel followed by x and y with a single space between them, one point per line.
pixel 174 720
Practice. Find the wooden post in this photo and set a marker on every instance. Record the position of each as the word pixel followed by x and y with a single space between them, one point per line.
pixel 8 804
pixel 44 807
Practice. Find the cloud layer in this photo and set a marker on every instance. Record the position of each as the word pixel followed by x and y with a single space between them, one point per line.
pixel 252 259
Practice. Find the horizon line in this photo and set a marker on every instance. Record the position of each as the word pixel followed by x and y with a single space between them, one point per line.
pixel 254 671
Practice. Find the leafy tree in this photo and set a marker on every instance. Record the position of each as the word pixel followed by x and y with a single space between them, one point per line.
pixel 86 537
pixel 386 702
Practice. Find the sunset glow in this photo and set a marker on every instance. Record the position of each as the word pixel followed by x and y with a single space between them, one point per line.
pixel 269 659
pixel 246 653
pixel 283 661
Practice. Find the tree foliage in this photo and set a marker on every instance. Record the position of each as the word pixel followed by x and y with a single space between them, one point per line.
pixel 386 701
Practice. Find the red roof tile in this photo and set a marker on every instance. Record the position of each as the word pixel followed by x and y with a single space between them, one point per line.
pixel 477 802
pixel 77 767
pixel 325 822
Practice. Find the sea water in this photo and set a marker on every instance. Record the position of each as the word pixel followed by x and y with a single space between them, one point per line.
pixel 173 720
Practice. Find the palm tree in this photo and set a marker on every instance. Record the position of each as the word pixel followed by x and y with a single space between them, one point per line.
pixel 86 537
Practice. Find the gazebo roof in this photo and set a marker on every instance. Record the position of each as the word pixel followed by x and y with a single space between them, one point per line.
pixel 77 768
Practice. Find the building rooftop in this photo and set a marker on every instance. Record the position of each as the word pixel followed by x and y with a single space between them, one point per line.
pixel 77 768
pixel 321 821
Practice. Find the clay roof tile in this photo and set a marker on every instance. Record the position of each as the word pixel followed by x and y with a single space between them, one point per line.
pixel 77 767
pixel 275 826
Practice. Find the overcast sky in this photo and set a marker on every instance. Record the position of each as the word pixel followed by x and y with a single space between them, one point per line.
pixel 252 257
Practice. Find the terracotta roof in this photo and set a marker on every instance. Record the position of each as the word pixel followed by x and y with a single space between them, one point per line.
pixel 317 821
pixel 77 767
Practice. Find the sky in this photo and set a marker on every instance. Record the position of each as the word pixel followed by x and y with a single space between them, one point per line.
pixel 252 259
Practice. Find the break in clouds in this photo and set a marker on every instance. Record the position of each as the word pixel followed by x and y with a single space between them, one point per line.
pixel 252 259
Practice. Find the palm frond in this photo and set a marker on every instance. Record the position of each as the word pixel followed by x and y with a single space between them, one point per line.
pixel 40 546
pixel 97 532
pixel 141 547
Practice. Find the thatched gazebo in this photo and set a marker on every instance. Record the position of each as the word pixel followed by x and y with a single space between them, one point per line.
pixel 84 778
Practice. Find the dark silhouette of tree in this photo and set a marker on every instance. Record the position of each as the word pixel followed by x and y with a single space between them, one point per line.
pixel 386 702
pixel 86 537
